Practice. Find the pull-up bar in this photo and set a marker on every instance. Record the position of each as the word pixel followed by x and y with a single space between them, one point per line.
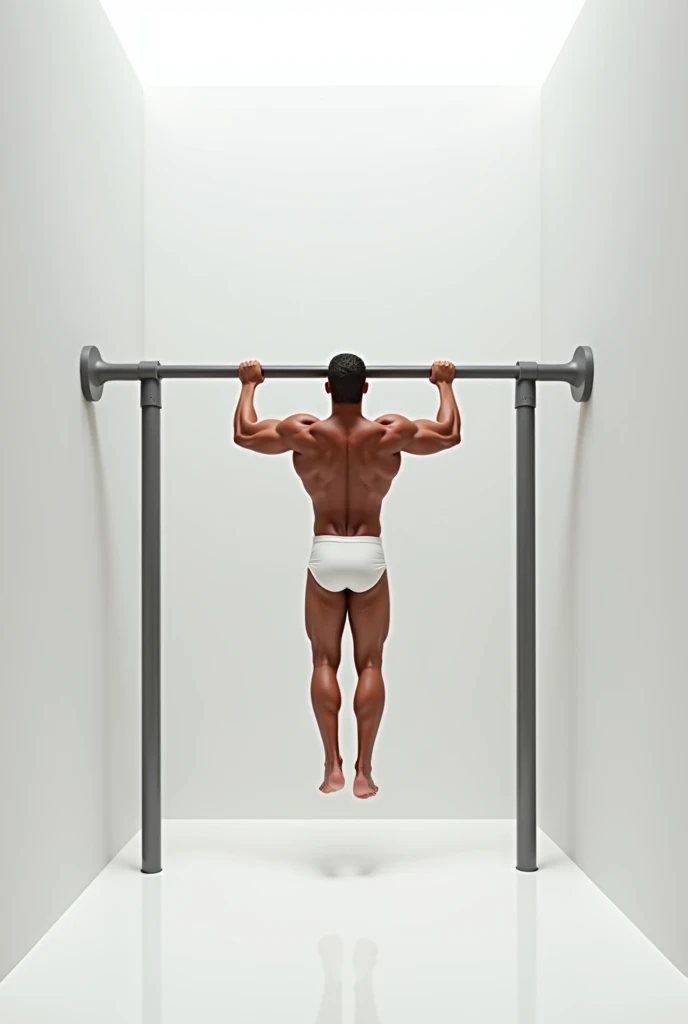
pixel 95 372
pixel 578 373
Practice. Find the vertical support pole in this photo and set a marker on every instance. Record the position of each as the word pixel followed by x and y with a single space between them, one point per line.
pixel 151 405
pixel 526 819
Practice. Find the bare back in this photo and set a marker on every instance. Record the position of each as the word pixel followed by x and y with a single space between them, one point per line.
pixel 347 474
pixel 347 462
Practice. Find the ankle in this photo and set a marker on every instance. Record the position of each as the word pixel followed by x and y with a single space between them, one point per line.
pixel 363 767
pixel 331 763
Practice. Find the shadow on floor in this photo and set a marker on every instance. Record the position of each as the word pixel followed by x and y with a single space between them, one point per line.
pixel 327 850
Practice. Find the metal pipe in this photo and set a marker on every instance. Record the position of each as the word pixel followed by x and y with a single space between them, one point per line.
pixel 526 820
pixel 567 372
pixel 151 809
pixel 298 372
pixel 96 372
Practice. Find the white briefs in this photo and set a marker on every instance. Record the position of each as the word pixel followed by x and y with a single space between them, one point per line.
pixel 347 563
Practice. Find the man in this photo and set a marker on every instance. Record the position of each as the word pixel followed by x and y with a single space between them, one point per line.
pixel 347 463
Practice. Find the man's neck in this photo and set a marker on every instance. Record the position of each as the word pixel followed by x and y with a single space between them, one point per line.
pixel 347 411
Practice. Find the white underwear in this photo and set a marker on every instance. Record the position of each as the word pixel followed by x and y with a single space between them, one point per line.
pixel 347 563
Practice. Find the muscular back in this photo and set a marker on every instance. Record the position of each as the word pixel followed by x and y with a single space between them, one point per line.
pixel 347 473
pixel 346 462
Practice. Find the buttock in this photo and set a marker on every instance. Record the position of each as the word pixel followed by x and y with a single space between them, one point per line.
pixel 347 563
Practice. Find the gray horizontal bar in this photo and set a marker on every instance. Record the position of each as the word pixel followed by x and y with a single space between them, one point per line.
pixel 397 372
pixel 94 372
pixel 117 371
pixel 566 372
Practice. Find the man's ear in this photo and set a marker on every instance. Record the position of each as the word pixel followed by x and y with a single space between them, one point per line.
pixel 365 388
pixel 327 387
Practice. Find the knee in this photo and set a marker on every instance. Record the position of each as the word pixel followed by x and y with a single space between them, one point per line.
pixel 370 659
pixel 325 657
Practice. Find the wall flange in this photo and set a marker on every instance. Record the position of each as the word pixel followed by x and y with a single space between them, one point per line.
pixel 90 363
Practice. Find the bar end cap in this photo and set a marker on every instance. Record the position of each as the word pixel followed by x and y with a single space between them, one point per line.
pixel 584 366
pixel 89 363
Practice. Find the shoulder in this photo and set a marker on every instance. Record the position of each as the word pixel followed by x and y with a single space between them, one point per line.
pixel 299 431
pixel 395 423
pixel 395 432
pixel 298 422
pixel 392 419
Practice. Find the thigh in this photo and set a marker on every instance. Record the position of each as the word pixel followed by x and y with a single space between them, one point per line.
pixel 325 618
pixel 369 618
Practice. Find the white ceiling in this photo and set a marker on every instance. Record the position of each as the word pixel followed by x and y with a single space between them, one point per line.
pixel 342 42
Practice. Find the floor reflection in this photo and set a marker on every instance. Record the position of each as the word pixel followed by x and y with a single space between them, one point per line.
pixel 349 968
pixel 526 947
pixel 365 960
pixel 331 951
pixel 151 950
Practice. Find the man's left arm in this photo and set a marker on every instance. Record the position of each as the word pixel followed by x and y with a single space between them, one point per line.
pixel 269 437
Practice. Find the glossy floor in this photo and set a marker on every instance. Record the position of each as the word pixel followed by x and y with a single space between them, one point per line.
pixel 336 922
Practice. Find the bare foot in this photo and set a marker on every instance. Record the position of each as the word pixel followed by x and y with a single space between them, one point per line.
pixel 334 779
pixel 364 787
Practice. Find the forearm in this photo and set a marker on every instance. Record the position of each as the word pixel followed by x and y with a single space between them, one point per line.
pixel 249 431
pixel 432 436
pixel 245 416
pixel 448 415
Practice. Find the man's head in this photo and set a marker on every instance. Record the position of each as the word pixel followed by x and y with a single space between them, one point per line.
pixel 346 379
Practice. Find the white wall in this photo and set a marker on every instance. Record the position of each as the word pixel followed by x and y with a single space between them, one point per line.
pixel 288 225
pixel 71 240
pixel 614 497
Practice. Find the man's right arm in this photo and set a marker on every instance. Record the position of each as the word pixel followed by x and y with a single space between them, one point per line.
pixel 426 437
pixel 268 437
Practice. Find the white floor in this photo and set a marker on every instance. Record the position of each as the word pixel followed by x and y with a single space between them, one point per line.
pixel 336 922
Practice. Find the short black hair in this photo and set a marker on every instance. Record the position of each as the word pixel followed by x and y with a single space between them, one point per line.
pixel 346 374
